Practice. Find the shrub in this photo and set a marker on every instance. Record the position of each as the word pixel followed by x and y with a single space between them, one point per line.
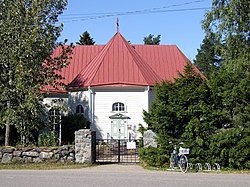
pixel 152 156
pixel 47 139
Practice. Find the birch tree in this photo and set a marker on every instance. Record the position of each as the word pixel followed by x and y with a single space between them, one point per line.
pixel 28 35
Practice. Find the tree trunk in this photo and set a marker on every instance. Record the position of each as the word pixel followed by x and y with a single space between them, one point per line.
pixel 7 134
pixel 7 129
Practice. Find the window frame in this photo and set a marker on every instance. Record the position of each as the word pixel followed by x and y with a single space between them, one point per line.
pixel 54 117
pixel 79 110
pixel 118 107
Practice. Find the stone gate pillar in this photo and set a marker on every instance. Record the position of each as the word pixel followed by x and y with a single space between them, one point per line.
pixel 83 146
pixel 149 139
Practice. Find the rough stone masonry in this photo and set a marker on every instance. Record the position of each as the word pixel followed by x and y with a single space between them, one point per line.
pixel 79 153
pixel 83 146
pixel 62 154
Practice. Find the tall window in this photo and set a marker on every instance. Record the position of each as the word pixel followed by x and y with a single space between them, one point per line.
pixel 118 107
pixel 79 110
pixel 54 118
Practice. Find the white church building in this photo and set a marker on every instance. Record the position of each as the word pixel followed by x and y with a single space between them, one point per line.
pixel 112 84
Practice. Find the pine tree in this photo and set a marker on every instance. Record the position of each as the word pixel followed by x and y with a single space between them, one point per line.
pixel 151 40
pixel 182 113
pixel 85 39
pixel 228 21
pixel 232 91
pixel 206 59
pixel 212 117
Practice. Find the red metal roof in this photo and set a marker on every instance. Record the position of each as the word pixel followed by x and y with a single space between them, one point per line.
pixel 166 60
pixel 119 63
pixel 81 56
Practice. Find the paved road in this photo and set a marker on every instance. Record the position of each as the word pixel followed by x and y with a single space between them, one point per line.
pixel 118 176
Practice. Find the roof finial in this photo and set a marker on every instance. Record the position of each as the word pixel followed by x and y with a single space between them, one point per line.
pixel 117 24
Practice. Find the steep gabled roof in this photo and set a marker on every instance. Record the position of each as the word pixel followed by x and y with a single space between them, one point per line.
pixel 119 63
pixel 116 64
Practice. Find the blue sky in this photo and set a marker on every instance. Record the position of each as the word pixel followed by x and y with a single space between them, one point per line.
pixel 175 21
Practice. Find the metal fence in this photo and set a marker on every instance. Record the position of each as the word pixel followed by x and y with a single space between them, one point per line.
pixel 116 151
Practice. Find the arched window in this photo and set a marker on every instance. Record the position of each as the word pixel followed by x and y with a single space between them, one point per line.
pixel 79 110
pixel 118 107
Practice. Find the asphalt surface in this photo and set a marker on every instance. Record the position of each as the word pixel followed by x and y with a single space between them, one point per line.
pixel 118 176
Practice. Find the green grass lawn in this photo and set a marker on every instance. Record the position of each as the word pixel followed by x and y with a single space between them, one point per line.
pixel 45 166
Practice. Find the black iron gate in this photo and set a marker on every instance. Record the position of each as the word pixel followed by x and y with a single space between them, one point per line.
pixel 115 151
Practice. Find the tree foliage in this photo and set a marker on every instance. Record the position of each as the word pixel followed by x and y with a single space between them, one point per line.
pixel 207 60
pixel 85 39
pixel 232 91
pixel 212 117
pixel 181 113
pixel 151 40
pixel 28 34
pixel 229 20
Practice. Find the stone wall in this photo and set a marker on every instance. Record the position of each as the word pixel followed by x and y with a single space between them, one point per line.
pixel 37 155
pixel 80 152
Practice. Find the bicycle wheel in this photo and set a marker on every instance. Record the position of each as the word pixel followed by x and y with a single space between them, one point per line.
pixel 183 164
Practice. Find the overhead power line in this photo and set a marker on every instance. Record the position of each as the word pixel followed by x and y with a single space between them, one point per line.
pixel 65 16
pixel 89 16
pixel 134 13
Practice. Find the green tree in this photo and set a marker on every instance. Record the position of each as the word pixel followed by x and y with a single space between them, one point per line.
pixel 231 86
pixel 181 113
pixel 206 59
pixel 85 39
pixel 151 40
pixel 211 117
pixel 28 34
pixel 229 21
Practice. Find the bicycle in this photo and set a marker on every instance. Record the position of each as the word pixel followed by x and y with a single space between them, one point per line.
pixel 180 160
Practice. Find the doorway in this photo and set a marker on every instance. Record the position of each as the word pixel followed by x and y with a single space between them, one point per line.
pixel 119 127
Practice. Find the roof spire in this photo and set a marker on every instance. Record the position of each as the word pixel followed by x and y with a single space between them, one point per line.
pixel 117 24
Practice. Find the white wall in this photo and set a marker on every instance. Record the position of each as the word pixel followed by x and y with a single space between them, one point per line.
pixel 48 101
pixel 79 98
pixel 135 100
pixel 151 96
